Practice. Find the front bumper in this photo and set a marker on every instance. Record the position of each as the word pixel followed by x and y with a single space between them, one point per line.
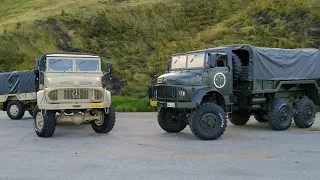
pixel 182 105
pixel 71 106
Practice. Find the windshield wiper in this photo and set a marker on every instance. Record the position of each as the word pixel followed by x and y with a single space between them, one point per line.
pixel 193 58
pixel 56 61
pixel 176 60
pixel 83 62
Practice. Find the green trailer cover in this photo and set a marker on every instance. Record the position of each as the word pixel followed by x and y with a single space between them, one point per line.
pixel 18 82
pixel 281 64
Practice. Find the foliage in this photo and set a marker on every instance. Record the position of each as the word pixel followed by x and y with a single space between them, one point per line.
pixel 130 104
pixel 139 36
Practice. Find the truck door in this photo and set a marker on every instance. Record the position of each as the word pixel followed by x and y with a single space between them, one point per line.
pixel 220 73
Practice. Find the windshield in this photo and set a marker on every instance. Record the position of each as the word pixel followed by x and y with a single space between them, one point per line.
pixel 60 64
pixel 179 62
pixel 195 60
pixel 87 65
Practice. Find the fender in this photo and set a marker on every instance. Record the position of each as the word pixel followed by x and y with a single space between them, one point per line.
pixel 40 97
pixel 201 93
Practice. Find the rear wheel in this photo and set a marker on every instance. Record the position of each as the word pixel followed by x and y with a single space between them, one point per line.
pixel 280 115
pixel 240 118
pixel 31 112
pixel 15 110
pixel 106 123
pixel 261 117
pixel 306 112
pixel 170 121
pixel 208 122
pixel 44 125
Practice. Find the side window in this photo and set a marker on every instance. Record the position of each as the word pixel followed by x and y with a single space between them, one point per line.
pixel 221 60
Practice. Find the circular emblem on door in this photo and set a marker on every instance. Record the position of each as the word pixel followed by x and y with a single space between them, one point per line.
pixel 76 93
pixel 219 80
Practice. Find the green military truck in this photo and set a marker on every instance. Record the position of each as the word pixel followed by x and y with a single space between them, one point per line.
pixel 204 88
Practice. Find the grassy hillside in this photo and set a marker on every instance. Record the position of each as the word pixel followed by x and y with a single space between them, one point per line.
pixel 139 36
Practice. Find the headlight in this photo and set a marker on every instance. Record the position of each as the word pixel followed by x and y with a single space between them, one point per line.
pixel 182 93
pixel 156 93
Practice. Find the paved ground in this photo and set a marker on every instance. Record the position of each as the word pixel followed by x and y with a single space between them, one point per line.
pixel 138 149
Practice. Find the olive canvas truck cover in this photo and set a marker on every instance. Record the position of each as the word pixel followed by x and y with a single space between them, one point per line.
pixel 281 64
pixel 18 82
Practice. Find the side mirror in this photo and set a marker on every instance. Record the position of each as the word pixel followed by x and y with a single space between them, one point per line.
pixel 108 68
pixel 40 66
pixel 169 65
pixel 37 63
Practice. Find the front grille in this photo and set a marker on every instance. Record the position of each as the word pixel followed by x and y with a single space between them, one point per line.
pixel 75 94
pixel 167 93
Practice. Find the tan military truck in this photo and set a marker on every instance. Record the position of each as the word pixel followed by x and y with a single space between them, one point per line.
pixel 71 90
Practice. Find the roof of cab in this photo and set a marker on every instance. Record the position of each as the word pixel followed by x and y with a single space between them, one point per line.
pixel 201 50
pixel 70 54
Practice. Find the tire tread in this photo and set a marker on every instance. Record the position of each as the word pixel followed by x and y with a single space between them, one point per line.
pixel 298 119
pixel 193 130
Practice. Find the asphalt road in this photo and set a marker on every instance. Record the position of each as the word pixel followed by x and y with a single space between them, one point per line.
pixel 138 149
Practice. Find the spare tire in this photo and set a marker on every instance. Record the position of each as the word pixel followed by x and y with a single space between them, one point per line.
pixel 237 66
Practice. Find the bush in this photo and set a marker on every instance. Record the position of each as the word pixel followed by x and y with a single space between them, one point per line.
pixel 130 104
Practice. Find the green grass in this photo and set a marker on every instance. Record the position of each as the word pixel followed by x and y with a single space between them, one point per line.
pixel 131 104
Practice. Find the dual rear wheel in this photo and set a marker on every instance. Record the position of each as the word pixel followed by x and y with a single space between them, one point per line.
pixel 281 114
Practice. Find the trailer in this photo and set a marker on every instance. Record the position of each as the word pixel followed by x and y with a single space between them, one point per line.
pixel 18 92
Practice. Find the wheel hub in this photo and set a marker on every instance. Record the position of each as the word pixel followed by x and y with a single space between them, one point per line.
pixel 172 119
pixel 283 115
pixel 99 121
pixel 307 113
pixel 208 122
pixel 14 110
pixel 39 120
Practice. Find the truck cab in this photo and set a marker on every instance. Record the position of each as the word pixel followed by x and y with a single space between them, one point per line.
pixel 195 82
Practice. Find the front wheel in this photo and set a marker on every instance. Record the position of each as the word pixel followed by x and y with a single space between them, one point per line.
pixel 44 125
pixel 169 120
pixel 106 123
pixel 208 122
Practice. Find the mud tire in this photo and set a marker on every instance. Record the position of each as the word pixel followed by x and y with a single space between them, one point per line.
pixel 261 117
pixel 49 123
pixel 166 124
pixel 306 113
pixel 279 109
pixel 108 123
pixel 237 66
pixel 197 121
pixel 240 118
